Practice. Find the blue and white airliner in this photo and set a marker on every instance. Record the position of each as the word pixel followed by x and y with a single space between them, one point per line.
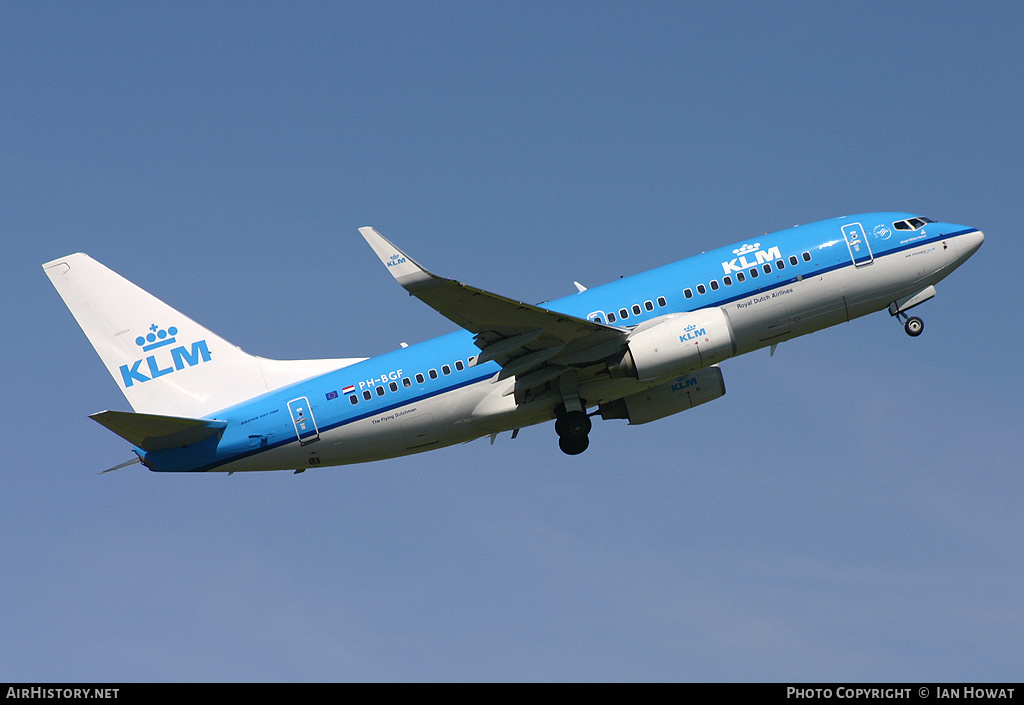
pixel 640 348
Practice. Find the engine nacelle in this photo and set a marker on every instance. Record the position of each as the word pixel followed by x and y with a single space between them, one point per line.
pixel 680 394
pixel 676 344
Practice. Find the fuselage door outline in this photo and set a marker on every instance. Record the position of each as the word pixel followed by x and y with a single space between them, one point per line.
pixel 857 241
pixel 302 418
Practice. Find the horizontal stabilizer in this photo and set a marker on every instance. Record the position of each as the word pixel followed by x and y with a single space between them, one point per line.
pixel 151 432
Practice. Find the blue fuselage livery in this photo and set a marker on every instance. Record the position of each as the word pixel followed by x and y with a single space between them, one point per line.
pixel 640 348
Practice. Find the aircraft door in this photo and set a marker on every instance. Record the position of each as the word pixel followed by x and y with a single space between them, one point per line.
pixel 857 241
pixel 302 418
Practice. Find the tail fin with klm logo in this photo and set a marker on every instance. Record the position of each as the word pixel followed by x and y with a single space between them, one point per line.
pixel 164 362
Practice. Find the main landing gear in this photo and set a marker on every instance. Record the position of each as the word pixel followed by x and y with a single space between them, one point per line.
pixel 572 428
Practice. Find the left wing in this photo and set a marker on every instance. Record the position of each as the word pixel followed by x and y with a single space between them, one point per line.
pixel 533 343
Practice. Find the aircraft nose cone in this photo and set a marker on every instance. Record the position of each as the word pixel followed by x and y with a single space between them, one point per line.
pixel 968 243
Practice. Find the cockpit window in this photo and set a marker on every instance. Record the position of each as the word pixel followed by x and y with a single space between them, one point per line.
pixel 912 223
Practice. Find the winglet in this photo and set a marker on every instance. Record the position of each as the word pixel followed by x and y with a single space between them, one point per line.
pixel 406 271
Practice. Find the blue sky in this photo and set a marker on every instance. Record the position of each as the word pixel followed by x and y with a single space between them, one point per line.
pixel 850 510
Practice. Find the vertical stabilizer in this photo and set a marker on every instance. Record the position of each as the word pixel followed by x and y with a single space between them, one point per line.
pixel 163 361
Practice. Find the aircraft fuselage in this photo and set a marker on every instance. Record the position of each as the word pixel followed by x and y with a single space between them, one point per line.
pixel 769 289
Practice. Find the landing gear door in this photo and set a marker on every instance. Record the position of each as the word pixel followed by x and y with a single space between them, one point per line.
pixel 302 417
pixel 857 241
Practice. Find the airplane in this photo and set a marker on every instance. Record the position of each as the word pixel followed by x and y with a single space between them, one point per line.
pixel 640 348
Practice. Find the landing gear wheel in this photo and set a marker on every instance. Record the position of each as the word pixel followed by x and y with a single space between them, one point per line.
pixel 572 428
pixel 573 424
pixel 573 445
pixel 914 326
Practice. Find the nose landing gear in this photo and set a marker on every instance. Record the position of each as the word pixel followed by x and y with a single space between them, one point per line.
pixel 913 325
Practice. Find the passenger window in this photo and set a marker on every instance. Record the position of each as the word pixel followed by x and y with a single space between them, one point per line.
pixel 740 277
pixel 406 382
pixel 649 305
pixel 446 369
pixel 432 373
pixel 779 264
pixel 793 260
pixel 393 386
pixel 701 289
pixel 596 318
pixel 419 378
pixel 611 317
pixel 367 396
pixel 380 391
pixel 662 302
pixel 754 273
pixel 806 256
pixel 459 366
pixel 714 285
pixel 727 280
pixel 623 314
pixel 767 268
pixel 354 399
pixel 687 293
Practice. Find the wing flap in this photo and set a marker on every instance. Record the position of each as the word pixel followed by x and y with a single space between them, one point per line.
pixel 502 346
pixel 152 432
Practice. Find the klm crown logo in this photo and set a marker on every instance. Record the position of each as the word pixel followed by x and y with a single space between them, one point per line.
pixel 691 332
pixel 740 262
pixel 173 359
pixel 156 338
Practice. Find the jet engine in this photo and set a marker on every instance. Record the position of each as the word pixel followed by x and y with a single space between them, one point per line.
pixel 676 344
pixel 682 393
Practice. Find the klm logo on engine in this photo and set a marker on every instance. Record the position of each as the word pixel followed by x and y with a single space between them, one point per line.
pixel 684 383
pixel 166 360
pixel 740 262
pixel 691 332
